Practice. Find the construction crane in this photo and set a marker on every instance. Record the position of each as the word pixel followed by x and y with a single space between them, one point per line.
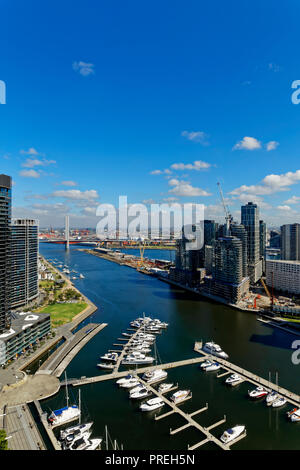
pixel 271 297
pixel 228 216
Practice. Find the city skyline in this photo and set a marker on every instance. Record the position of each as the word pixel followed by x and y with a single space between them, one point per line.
pixel 150 119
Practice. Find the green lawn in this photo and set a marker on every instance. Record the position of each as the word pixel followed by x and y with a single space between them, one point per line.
pixel 63 313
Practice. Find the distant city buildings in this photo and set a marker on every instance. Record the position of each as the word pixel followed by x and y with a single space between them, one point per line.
pixel 290 242
pixel 283 275
pixel 228 281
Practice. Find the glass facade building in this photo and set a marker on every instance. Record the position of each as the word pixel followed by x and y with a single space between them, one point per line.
pixel 24 261
pixel 5 247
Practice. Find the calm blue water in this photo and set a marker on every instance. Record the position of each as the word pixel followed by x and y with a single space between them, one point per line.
pixel 123 294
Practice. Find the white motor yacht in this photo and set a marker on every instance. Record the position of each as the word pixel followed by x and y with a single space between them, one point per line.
pixel 137 358
pixel 232 433
pixel 137 388
pixel 93 444
pixel 141 393
pixel 271 397
pixel 74 431
pixel 152 404
pixel 106 365
pixel 234 378
pixel 180 396
pixel 165 387
pixel 215 350
pixel 279 402
pixel 124 379
pixel 214 366
pixel 205 364
pixel 79 443
pixel 130 383
pixel 110 357
pixel 155 376
pixel 258 392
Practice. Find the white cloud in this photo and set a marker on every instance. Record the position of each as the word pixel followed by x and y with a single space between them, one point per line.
pixel 284 208
pixel 197 165
pixel 247 143
pixel 84 68
pixel 161 172
pixel 29 174
pixel 76 194
pixel 30 151
pixel 293 200
pixel 185 189
pixel 32 162
pixel 272 145
pixel 270 184
pixel 196 136
pixel 68 183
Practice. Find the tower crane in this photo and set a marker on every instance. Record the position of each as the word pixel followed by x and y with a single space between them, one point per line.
pixel 228 216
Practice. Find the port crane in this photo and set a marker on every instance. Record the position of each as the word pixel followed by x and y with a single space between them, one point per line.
pixel 228 216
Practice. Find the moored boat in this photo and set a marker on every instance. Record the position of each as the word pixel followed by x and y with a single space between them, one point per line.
pixel 215 350
pixel 294 415
pixel 258 392
pixel 180 396
pixel 279 402
pixel 155 376
pixel 233 379
pixel 232 433
pixel 152 404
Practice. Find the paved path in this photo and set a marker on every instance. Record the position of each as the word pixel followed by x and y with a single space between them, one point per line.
pixel 21 429
pixel 59 360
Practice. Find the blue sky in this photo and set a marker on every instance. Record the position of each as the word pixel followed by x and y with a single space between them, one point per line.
pixel 122 98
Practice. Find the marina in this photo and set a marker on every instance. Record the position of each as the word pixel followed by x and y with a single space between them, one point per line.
pixel 221 400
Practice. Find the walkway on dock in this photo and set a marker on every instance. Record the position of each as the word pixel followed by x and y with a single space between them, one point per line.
pixel 248 376
pixel 190 421
pixel 59 360
pixel 21 430
pixel 47 427
pixel 141 370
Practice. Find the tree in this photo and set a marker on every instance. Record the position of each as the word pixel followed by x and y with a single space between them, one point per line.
pixel 3 440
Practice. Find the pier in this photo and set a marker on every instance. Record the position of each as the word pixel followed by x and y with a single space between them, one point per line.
pixel 248 376
pixel 21 430
pixel 190 421
pixel 59 360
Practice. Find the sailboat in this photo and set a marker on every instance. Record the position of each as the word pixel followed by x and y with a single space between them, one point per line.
pixel 66 414
pixel 114 444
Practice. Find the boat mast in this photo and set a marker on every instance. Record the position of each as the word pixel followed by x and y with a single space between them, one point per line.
pixel 106 437
pixel 67 396
pixel 79 406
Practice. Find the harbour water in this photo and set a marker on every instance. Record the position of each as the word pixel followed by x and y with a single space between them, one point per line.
pixel 122 294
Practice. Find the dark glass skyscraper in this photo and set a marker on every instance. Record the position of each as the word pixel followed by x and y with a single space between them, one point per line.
pixel 24 261
pixel 5 247
pixel 290 242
